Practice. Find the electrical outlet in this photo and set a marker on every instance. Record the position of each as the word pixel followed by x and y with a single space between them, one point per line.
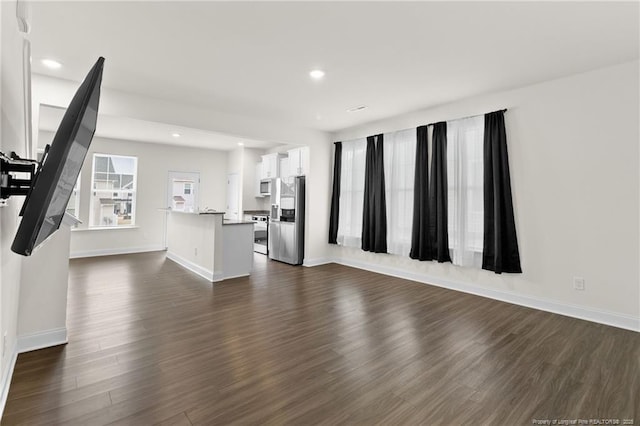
pixel 578 283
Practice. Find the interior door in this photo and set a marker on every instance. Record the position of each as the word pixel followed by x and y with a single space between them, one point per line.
pixel 233 197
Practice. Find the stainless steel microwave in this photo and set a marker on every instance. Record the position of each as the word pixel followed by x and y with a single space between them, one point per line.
pixel 265 186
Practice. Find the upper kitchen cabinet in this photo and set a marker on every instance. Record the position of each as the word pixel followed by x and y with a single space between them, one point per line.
pixel 271 165
pixel 284 167
pixel 258 177
pixel 299 161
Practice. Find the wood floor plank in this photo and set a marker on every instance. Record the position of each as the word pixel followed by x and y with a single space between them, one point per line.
pixel 152 343
pixel 180 419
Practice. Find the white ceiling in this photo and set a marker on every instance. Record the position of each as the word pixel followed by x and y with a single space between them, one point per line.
pixel 132 129
pixel 254 58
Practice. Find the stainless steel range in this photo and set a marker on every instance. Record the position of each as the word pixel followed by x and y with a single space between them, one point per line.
pixel 260 233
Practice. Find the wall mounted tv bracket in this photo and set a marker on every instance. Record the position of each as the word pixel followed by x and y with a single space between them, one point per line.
pixel 13 185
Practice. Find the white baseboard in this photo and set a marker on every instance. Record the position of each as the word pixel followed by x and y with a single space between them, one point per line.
pixel 6 379
pixel 317 261
pixel 112 252
pixel 187 264
pixel 232 276
pixel 589 314
pixel 45 339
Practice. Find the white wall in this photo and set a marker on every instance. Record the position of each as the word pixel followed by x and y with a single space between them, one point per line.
pixel 235 166
pixel 574 157
pixel 154 163
pixel 12 125
pixel 57 92
pixel 42 313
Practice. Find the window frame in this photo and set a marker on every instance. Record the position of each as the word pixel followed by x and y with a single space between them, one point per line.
pixel 93 192
pixel 399 168
pixel 351 199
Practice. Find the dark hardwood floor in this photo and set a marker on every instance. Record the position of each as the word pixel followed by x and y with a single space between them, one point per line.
pixel 150 342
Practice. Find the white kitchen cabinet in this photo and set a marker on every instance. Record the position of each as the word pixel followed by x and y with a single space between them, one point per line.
pixel 271 165
pixel 258 177
pixel 299 161
pixel 284 168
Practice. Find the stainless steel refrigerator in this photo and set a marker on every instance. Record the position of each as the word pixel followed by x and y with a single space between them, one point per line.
pixel 286 222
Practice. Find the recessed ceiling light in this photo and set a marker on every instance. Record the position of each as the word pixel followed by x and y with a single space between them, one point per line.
pixel 175 135
pixel 240 143
pixel 358 108
pixel 50 63
pixel 317 74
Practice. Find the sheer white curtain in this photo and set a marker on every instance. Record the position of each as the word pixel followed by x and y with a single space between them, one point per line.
pixel 351 192
pixel 399 169
pixel 465 139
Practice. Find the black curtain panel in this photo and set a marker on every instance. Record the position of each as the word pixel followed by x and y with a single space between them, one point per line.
pixel 500 252
pixel 421 243
pixel 368 214
pixel 374 214
pixel 381 201
pixel 335 195
pixel 438 207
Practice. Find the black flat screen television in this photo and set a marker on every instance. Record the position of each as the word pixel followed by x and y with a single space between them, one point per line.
pixel 52 186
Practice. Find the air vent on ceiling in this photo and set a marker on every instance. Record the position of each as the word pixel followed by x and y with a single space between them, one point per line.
pixel 358 108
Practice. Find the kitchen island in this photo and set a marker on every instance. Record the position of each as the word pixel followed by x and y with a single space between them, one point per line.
pixel 210 246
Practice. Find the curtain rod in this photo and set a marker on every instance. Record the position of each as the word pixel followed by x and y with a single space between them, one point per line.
pixel 431 124
pixel 468 116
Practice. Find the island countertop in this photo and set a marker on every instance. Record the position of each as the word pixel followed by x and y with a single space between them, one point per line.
pixel 196 213
pixel 164 209
pixel 236 222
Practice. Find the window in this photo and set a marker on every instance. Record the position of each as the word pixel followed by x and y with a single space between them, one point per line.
pixel 183 194
pixel 182 191
pixel 399 175
pixel 113 196
pixel 465 142
pixel 399 169
pixel 352 192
